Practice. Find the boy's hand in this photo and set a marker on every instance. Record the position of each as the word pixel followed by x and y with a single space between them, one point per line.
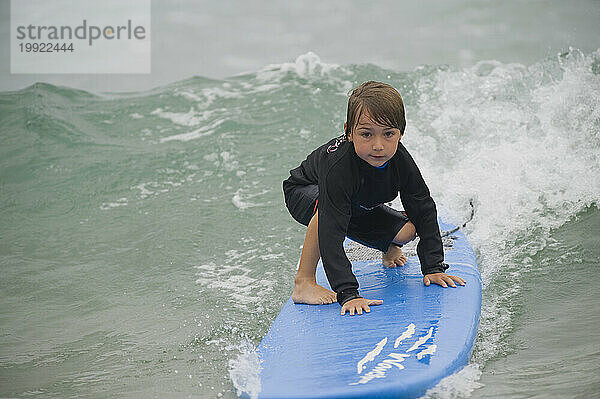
pixel 358 304
pixel 442 279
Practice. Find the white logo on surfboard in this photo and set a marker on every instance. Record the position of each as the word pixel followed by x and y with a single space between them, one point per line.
pixel 394 359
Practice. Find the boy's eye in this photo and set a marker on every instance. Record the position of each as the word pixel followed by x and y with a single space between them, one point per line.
pixel 365 134
pixel 389 133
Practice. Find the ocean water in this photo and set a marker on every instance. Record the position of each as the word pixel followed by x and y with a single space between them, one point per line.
pixel 145 247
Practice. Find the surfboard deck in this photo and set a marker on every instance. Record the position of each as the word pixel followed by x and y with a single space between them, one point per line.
pixel 418 336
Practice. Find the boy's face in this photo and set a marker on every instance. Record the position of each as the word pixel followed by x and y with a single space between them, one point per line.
pixel 374 143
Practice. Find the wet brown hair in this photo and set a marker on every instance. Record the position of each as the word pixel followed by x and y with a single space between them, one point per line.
pixel 383 102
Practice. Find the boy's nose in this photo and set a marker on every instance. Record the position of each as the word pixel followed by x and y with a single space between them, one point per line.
pixel 377 145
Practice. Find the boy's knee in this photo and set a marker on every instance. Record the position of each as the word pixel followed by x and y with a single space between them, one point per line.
pixel 407 233
pixel 412 231
pixel 315 218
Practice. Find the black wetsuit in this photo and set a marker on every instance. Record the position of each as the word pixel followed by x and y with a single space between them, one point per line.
pixel 349 192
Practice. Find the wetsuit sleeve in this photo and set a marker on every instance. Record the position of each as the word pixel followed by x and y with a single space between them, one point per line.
pixel 421 211
pixel 334 215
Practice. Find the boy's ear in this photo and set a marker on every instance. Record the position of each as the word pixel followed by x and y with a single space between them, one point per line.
pixel 346 131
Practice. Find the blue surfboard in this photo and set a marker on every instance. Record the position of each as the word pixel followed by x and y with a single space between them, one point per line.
pixel 403 347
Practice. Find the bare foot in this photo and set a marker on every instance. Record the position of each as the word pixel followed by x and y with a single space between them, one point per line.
pixel 394 256
pixel 312 294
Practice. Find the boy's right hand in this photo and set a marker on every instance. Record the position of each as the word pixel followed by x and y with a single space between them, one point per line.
pixel 358 304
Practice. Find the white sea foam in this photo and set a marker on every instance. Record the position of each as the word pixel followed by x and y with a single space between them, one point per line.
pixel 241 197
pixel 207 96
pixel 244 371
pixel 190 119
pixel 457 385
pixel 305 65
pixel 205 130
pixel 226 156
pixel 234 278
pixel 524 144
pixel 237 201
pixel 173 178
pixel 530 163
pixel 109 205
pixel 304 133
pixel 272 256
pixel 211 157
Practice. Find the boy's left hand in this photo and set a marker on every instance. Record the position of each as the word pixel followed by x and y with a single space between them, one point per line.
pixel 442 279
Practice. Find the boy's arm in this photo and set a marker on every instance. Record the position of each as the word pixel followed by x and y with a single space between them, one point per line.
pixel 334 217
pixel 421 211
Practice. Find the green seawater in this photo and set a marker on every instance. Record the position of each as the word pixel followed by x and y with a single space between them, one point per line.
pixel 145 247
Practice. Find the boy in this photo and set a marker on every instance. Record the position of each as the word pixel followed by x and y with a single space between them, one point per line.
pixel 340 189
